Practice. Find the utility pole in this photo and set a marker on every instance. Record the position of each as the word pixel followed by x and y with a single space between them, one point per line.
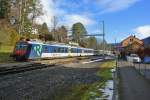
pixel 54 21
pixel 103 37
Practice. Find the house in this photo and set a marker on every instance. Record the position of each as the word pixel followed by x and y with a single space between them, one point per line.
pixel 132 44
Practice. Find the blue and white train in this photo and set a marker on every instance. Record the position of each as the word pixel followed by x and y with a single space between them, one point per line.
pixel 29 50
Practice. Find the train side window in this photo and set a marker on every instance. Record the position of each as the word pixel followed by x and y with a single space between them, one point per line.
pixel 46 49
pixel 71 50
pixel 66 50
pixel 63 50
pixel 59 50
pixel 79 50
pixel 55 50
pixel 75 50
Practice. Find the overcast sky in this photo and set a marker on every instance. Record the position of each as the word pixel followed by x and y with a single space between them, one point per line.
pixel 122 17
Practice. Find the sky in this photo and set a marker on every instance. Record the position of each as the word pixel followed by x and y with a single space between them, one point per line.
pixel 122 17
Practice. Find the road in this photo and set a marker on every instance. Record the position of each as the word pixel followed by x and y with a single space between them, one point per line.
pixel 46 83
pixel 133 86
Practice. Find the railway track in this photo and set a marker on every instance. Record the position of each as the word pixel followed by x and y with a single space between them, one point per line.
pixel 13 69
pixel 19 69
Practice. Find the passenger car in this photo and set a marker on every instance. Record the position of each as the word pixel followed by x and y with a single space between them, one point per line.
pixel 134 58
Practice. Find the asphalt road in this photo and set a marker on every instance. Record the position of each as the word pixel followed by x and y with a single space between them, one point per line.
pixel 133 86
pixel 46 83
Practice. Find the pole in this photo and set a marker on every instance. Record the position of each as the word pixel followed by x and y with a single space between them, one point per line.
pixel 54 21
pixel 103 37
pixel 33 5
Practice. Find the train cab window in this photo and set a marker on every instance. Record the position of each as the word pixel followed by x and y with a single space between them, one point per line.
pixel 20 46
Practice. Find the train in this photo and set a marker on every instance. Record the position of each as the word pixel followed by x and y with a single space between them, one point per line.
pixel 32 50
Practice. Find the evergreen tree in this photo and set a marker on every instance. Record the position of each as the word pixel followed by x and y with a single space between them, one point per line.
pixel 43 29
pixel 44 33
pixel 78 32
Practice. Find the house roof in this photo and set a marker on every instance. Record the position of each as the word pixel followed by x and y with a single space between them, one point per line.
pixel 131 36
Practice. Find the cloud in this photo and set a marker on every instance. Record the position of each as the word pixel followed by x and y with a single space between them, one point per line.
pixel 54 8
pixel 74 18
pixel 115 5
pixel 142 31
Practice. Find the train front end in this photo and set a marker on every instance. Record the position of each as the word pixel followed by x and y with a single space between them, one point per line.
pixel 20 50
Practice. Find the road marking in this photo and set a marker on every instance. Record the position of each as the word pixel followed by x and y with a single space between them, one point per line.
pixel 92 61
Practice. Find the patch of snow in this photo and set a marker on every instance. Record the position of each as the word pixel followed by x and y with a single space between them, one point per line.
pixel 92 93
pixel 113 70
pixel 92 61
pixel 107 91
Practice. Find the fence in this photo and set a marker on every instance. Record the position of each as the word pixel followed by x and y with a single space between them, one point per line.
pixel 143 69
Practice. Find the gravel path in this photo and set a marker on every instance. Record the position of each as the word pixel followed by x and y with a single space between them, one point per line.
pixel 133 86
pixel 44 83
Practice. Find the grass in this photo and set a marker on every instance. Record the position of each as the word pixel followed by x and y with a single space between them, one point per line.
pixel 89 91
pixel 5 52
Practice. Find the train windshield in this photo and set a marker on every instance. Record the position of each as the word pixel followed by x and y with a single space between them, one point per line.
pixel 21 46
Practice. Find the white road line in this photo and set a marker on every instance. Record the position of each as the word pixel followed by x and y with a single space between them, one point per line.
pixel 92 61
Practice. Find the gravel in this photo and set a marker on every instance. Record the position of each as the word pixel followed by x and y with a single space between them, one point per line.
pixel 45 83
